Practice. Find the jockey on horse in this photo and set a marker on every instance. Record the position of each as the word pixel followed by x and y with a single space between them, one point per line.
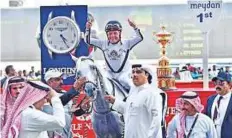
pixel 115 50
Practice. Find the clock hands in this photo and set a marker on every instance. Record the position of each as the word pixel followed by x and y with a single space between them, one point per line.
pixel 64 40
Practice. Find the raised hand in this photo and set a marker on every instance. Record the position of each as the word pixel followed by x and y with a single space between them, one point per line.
pixel 131 23
pixel 52 93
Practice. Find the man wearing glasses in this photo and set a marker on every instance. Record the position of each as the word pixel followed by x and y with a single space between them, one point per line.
pixel 143 108
pixel 115 50
pixel 219 107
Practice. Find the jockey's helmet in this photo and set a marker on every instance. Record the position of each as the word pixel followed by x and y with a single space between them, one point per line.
pixel 113 26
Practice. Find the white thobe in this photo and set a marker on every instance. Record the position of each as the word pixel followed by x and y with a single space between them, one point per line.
pixel 142 112
pixel 204 127
pixel 35 123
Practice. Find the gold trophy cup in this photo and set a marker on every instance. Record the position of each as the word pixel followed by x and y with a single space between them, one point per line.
pixel 164 72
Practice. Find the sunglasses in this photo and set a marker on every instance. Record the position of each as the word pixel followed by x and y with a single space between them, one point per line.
pixel 15 88
pixel 113 27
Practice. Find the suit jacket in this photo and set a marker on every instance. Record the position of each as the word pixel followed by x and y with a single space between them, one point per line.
pixel 227 121
pixel 3 81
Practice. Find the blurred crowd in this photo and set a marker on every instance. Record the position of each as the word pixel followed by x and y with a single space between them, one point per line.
pixel 11 71
pixel 190 72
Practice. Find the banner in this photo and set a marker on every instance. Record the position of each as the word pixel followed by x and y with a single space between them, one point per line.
pixel 205 13
pixel 61 28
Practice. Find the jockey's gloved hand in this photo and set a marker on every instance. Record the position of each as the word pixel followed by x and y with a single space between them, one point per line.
pixel 110 99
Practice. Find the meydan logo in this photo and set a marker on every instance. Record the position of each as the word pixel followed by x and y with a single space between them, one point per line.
pixel 67 72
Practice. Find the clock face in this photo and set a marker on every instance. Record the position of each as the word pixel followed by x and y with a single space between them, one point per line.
pixel 61 34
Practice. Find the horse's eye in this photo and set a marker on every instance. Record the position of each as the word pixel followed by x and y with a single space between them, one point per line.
pixel 92 67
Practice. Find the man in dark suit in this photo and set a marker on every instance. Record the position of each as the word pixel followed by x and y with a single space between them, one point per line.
pixel 219 107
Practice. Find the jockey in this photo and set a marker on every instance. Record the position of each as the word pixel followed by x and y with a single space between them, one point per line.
pixel 115 50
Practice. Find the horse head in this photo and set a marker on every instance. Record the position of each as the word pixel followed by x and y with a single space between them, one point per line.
pixel 96 87
pixel 85 67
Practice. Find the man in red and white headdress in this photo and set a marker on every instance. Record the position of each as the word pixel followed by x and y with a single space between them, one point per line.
pixel 23 117
pixel 189 122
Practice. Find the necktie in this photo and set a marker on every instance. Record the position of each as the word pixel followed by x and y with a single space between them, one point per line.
pixel 215 114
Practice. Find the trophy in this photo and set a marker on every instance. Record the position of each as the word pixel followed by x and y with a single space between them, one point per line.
pixel 164 72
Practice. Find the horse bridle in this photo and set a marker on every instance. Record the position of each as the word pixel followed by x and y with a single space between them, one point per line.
pixel 100 78
pixel 102 86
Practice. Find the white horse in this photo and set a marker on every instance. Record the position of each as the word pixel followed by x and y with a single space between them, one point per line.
pixel 106 122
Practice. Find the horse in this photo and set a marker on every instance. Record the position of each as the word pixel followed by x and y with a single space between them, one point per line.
pixel 106 122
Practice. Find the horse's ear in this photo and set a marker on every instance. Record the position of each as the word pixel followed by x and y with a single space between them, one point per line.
pixel 74 58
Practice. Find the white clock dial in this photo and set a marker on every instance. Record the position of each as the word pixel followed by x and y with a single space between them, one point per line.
pixel 61 34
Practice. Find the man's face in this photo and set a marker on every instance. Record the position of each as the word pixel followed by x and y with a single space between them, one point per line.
pixel 188 108
pixel 15 89
pixel 20 73
pixel 56 83
pixel 12 72
pixel 227 69
pixel 222 87
pixel 113 36
pixel 139 76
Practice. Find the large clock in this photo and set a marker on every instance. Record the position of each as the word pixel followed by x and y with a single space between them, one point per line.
pixel 61 34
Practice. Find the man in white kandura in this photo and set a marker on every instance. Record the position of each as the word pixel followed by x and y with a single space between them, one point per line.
pixel 143 108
